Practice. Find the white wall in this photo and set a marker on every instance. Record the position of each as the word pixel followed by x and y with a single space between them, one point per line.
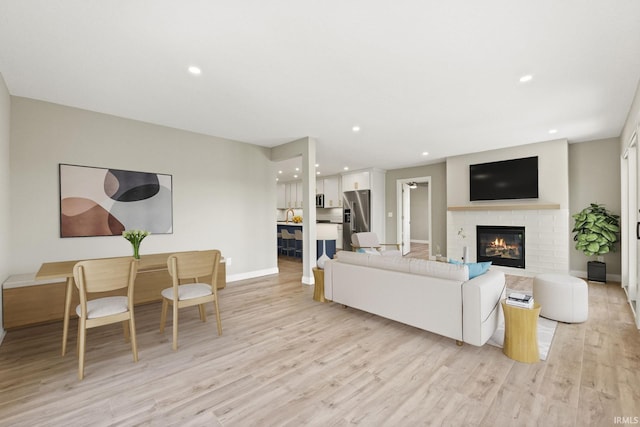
pixel 553 173
pixel 5 226
pixel 224 194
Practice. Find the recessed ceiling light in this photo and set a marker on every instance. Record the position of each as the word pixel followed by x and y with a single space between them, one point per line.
pixel 277 179
pixel 346 168
pixel 526 78
pixel 295 176
pixel 425 153
pixel 195 70
pixel 356 128
pixel 318 173
pixel 297 169
pixel 553 130
pixel 279 171
pixel 317 165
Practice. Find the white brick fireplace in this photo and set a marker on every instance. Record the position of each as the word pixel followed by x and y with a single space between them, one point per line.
pixel 547 236
pixel 546 219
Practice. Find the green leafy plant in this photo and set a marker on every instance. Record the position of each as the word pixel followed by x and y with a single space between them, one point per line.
pixel 596 230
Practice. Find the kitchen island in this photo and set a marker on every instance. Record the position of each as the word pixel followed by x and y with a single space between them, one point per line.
pixel 322 229
pixel 291 248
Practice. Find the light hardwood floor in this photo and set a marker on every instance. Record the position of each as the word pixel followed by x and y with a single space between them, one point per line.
pixel 287 360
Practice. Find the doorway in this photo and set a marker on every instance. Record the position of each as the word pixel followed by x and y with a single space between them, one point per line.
pixel 414 213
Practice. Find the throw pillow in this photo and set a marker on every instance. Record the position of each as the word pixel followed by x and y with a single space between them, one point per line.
pixel 475 268
pixel 478 268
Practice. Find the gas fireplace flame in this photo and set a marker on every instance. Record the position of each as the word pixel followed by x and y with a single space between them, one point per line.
pixel 498 243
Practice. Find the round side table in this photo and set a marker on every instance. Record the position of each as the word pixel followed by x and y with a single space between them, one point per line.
pixel 521 333
pixel 318 289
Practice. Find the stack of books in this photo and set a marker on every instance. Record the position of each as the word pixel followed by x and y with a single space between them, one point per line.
pixel 520 300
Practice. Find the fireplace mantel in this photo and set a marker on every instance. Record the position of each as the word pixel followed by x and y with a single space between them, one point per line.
pixel 514 207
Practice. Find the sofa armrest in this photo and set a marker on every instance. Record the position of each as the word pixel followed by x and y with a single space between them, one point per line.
pixel 481 306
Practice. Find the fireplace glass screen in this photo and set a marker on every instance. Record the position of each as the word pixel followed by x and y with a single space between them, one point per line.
pixel 501 245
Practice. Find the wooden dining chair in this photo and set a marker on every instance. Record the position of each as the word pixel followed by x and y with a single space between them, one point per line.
pixel 192 267
pixel 104 275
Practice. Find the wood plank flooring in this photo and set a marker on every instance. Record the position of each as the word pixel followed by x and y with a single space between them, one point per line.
pixel 287 360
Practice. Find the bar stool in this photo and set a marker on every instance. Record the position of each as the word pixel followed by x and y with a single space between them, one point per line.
pixel 298 243
pixel 279 235
pixel 288 243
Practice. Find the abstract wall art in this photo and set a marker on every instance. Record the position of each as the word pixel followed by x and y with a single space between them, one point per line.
pixel 105 202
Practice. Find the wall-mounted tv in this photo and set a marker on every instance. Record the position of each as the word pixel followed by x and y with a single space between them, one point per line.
pixel 507 179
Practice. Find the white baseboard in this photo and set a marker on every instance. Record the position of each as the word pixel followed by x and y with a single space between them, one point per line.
pixel 2 335
pixel 419 241
pixel 251 274
pixel 306 280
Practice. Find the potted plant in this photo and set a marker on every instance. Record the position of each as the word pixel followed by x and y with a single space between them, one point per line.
pixel 596 231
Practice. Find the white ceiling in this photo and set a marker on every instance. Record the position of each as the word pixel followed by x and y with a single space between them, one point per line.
pixel 415 75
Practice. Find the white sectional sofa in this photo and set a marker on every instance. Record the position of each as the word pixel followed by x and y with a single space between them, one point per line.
pixel 434 296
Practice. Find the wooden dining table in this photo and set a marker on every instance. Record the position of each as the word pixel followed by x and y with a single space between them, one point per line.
pixel 151 279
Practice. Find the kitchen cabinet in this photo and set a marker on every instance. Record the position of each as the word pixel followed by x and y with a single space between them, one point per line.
pixel 319 186
pixel 332 193
pixel 298 195
pixel 290 195
pixel 281 202
pixel 356 181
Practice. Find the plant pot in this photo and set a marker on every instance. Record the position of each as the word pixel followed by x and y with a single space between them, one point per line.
pixel 597 271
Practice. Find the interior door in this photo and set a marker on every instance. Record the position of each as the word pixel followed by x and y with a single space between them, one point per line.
pixel 406 219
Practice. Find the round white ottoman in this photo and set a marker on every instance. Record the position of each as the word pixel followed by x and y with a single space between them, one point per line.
pixel 562 297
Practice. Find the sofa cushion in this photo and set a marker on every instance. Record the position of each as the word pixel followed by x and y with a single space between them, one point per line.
pixel 394 263
pixel 422 267
pixel 352 257
pixel 441 270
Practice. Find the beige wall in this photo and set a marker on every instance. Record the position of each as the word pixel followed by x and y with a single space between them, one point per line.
pixel 224 194
pixel 5 226
pixel 594 177
pixel 438 173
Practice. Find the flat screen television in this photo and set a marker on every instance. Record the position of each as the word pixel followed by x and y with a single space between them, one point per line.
pixel 507 179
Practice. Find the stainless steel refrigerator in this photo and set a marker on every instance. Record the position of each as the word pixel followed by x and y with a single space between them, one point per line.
pixel 356 215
